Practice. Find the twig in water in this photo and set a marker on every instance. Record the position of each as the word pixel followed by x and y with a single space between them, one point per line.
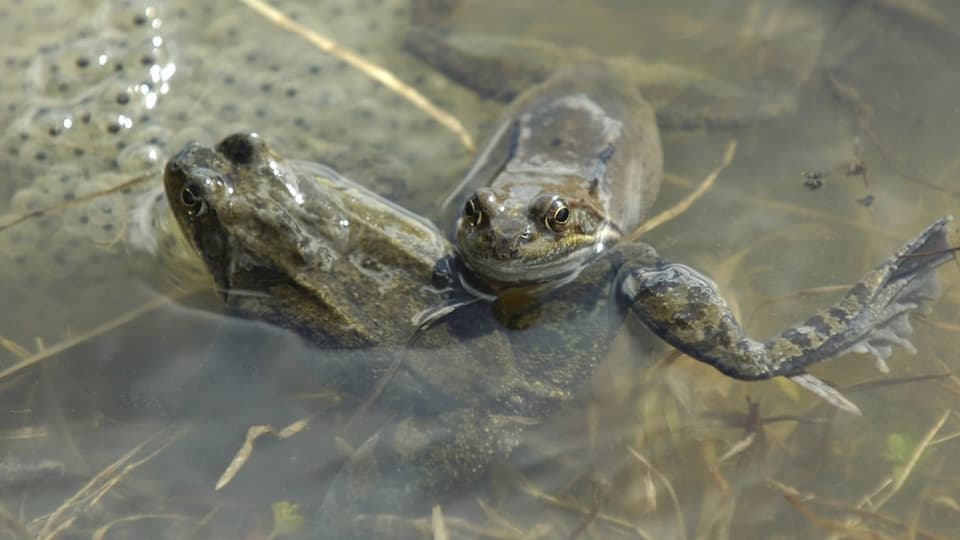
pixel 687 202
pixel 681 529
pixel 98 330
pixel 83 199
pixel 903 473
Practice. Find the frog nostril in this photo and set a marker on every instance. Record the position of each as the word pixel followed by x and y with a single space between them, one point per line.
pixel 238 148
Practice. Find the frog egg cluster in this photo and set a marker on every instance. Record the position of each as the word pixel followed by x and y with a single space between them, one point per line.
pixel 83 124
pixel 121 89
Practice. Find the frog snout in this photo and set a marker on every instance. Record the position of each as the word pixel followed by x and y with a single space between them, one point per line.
pixel 507 239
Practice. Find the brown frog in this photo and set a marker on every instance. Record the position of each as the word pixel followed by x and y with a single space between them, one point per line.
pixel 300 246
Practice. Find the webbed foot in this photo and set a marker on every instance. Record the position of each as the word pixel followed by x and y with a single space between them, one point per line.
pixel 685 309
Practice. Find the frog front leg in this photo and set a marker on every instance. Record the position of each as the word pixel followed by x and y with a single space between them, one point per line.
pixel 686 310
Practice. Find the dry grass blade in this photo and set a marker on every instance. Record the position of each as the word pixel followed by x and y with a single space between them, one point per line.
pixel 101 533
pixel 246 449
pixel 10 525
pixel 803 501
pixel 532 490
pixel 904 472
pixel 438 524
pixel 681 529
pixel 93 491
pixel 77 201
pixel 98 330
pixel 370 69
pixel 687 202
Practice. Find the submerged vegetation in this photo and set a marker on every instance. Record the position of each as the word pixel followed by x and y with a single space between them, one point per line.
pixel 669 449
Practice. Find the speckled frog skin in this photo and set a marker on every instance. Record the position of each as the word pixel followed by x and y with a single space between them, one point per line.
pixel 300 246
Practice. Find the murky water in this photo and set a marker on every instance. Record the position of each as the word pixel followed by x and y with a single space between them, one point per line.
pixel 95 94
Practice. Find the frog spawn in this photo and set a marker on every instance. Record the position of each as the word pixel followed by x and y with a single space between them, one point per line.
pixel 126 86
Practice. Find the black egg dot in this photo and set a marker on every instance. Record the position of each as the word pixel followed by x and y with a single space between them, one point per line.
pixel 146 60
pixel 123 98
pixel 82 62
pixel 79 152
pixel 315 69
pixel 85 118
pixel 121 145
pixel 69 196
pixel 266 87
pixel 229 80
pixel 107 227
pixel 84 219
pixel 40 156
pixel 291 92
pixel 139 20
pixel 113 128
pixel 118 67
pixel 63 88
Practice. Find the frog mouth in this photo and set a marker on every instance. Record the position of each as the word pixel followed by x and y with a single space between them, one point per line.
pixel 537 262
pixel 521 271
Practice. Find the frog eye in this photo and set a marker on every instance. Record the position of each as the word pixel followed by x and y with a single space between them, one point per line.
pixel 192 200
pixel 557 216
pixel 472 212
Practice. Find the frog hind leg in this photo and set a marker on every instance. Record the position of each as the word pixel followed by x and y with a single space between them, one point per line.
pixel 685 309
pixel 409 466
pixel 496 76
pixel 502 68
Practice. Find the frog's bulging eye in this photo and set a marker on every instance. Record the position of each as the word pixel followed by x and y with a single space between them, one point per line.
pixel 557 216
pixel 472 212
pixel 238 148
pixel 192 200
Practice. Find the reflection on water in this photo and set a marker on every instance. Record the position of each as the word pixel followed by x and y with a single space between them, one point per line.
pixel 667 447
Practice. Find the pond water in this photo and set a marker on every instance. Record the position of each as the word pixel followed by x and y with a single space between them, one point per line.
pixel 97 362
